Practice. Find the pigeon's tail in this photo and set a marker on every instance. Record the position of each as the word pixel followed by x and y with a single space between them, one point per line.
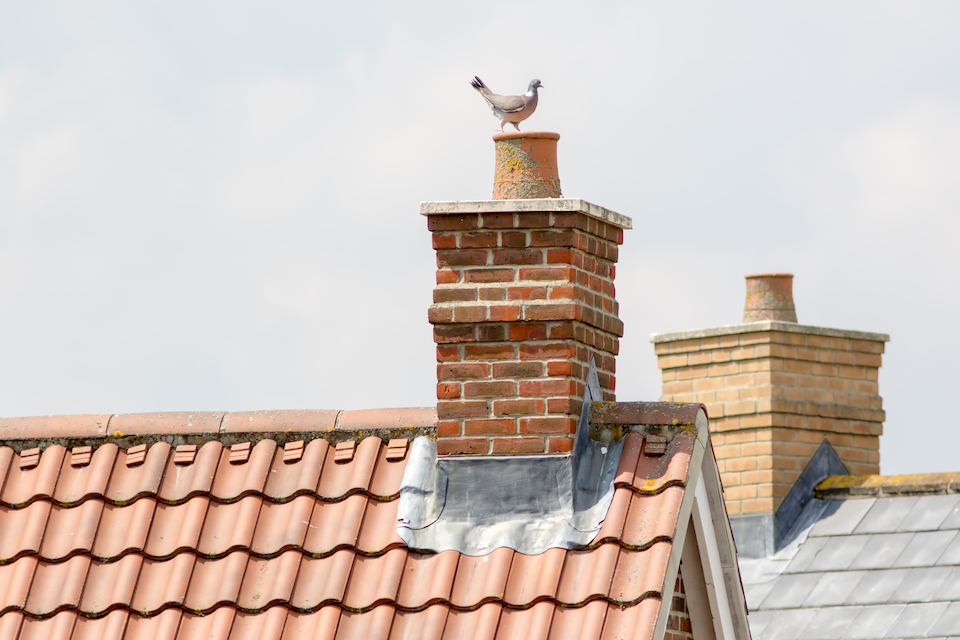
pixel 477 84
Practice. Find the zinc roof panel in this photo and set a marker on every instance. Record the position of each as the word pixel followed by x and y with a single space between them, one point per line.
pixel 110 627
pixel 110 584
pixel 881 551
pixel 829 623
pixel 885 515
pixel 176 527
pixel 77 483
pixel 128 483
pixel 873 622
pixel 952 521
pixel 916 620
pixel 877 587
pixel 951 554
pixel 216 582
pixel 929 513
pixel 269 581
pixel 124 528
pixel 578 622
pixel 288 478
pixel 259 626
pixel 319 625
pixel 838 553
pixel 844 519
pixel 921 585
pixel 335 524
pixel 15 580
pixel 372 625
pixel 322 580
pixel 420 625
pixel 790 591
pixel 229 526
pixel 235 480
pixel 925 548
pixel 57 586
pixel 479 624
pixel 215 626
pixel 788 624
pixel 25 485
pixel 806 555
pixel 950 589
pixel 21 530
pixel 526 624
pixel 834 588
pixel 949 622
pixel 71 530
pixel 181 481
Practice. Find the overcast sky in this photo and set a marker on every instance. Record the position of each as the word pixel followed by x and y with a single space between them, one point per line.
pixel 214 206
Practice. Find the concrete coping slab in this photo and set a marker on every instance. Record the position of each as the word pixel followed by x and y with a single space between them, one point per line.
pixel 767 325
pixel 551 205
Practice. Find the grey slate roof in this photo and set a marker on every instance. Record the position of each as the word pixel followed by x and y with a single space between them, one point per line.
pixel 869 568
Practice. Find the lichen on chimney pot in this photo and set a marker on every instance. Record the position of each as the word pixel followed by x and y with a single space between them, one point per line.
pixel 526 166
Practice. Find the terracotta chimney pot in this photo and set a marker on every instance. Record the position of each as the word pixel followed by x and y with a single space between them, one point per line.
pixel 769 297
pixel 526 165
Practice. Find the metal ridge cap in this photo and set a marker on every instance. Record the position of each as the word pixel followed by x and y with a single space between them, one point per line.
pixel 768 325
pixel 553 205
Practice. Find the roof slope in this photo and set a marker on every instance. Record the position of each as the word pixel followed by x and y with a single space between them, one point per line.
pixel 298 539
pixel 886 565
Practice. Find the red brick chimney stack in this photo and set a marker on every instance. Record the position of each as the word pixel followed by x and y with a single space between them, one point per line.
pixel 524 298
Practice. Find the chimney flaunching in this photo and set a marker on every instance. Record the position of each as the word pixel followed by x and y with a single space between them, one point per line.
pixel 774 389
pixel 524 298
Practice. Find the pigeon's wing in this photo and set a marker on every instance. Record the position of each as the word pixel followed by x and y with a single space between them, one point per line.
pixel 507 104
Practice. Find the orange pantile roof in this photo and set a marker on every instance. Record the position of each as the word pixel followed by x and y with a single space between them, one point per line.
pixel 297 538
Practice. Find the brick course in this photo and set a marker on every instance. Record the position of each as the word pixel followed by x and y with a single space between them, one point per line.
pixel 523 301
pixel 678 624
pixel 772 396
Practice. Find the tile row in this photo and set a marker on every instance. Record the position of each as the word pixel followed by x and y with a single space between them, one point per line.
pixel 156 530
pixel 409 581
pixel 894 621
pixel 543 621
pixel 889 515
pixel 211 529
pixel 225 473
pixel 878 551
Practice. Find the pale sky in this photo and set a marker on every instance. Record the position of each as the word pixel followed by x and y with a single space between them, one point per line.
pixel 214 205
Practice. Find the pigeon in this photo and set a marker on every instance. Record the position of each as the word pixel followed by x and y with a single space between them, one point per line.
pixel 512 109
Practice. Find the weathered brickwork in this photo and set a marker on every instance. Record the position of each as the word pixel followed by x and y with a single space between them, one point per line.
pixel 772 397
pixel 522 302
pixel 678 624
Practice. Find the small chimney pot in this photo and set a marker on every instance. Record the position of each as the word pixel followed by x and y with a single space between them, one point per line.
pixel 769 297
pixel 526 165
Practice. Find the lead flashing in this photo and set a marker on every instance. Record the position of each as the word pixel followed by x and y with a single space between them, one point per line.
pixel 553 205
pixel 767 325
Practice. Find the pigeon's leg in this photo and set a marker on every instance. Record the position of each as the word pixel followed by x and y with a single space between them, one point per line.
pixel 515 126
